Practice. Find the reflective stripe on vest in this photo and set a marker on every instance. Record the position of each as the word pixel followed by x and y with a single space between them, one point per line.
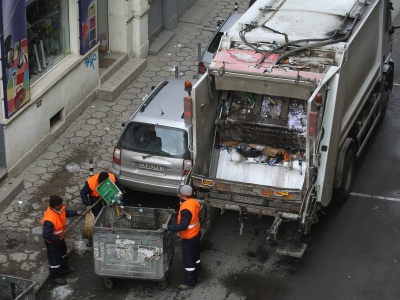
pixel 93 183
pixel 58 219
pixel 194 226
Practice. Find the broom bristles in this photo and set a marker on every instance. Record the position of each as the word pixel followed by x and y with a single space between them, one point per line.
pixel 88 229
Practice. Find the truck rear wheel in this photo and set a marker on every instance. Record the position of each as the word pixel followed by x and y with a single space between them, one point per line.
pixel 341 194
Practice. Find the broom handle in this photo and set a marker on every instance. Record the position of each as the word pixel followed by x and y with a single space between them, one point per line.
pixel 80 217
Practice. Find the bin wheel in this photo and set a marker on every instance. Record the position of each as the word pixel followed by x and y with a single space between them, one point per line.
pixel 108 282
pixel 162 284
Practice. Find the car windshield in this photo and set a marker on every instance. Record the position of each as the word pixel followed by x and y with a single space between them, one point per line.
pixel 155 140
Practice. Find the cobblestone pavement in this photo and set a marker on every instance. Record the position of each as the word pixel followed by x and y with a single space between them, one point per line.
pixel 63 168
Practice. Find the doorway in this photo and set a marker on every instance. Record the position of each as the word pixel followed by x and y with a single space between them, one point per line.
pixel 102 23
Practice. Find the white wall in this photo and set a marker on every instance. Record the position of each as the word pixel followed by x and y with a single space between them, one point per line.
pixel 69 87
pixel 128 26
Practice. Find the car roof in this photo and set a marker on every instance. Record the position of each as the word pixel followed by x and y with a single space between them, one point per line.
pixel 166 106
pixel 230 21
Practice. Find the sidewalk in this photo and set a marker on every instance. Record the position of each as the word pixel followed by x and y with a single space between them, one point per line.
pixel 92 135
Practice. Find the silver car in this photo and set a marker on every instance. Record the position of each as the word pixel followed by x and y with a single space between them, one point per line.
pixel 153 153
pixel 213 45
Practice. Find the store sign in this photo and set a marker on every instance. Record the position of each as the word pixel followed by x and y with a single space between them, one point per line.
pixel 88 24
pixel 14 56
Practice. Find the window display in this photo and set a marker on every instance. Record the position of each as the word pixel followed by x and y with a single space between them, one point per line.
pixel 48 35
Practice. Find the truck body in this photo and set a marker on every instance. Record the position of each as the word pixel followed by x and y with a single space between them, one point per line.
pixel 287 106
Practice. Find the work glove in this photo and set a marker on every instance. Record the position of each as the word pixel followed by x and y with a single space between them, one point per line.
pixel 164 226
pixel 80 213
pixel 86 202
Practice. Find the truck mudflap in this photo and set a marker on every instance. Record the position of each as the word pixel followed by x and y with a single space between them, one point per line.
pixel 292 247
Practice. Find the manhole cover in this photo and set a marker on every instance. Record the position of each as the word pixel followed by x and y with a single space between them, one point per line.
pixel 11 240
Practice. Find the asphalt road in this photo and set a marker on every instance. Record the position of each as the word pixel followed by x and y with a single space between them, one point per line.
pixel 353 253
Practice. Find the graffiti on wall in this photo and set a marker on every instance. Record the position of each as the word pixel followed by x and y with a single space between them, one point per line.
pixel 89 61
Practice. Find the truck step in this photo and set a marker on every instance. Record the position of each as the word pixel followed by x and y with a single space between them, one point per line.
pixel 291 248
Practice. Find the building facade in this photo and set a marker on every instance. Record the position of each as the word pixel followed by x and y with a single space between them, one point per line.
pixel 50 52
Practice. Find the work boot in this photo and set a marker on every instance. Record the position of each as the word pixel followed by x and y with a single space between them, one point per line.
pixel 183 287
pixel 67 270
pixel 58 280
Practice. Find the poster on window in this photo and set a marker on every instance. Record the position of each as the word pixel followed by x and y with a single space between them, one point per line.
pixel 88 24
pixel 14 56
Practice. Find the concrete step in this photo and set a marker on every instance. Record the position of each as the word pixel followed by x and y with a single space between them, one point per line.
pixel 9 188
pixel 160 41
pixel 118 82
pixel 3 173
pixel 120 60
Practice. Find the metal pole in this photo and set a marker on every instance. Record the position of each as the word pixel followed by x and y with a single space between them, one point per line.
pixel 176 72
pixel 91 167
pixel 198 53
pixel 236 7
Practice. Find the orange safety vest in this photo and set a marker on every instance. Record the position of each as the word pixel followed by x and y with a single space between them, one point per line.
pixel 93 184
pixel 59 220
pixel 194 226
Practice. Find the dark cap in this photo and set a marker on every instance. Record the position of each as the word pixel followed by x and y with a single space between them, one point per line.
pixel 103 176
pixel 55 200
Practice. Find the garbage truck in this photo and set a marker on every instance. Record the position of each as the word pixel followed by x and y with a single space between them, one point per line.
pixel 287 105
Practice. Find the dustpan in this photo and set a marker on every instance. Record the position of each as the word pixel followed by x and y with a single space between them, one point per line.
pixel 108 190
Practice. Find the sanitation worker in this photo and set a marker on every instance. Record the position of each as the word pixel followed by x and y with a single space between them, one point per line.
pixel 89 194
pixel 54 225
pixel 188 227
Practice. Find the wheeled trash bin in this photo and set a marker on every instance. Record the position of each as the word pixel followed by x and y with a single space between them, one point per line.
pixel 132 244
pixel 14 288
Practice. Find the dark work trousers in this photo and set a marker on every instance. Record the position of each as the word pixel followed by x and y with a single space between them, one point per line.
pixel 96 209
pixel 191 259
pixel 57 256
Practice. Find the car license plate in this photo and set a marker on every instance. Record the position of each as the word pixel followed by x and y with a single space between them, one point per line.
pixel 151 167
pixel 249 200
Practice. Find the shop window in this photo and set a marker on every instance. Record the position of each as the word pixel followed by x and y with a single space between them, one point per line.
pixel 48 35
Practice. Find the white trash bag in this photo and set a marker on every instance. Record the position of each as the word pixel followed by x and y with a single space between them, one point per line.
pixel 80 247
pixel 236 157
pixel 72 167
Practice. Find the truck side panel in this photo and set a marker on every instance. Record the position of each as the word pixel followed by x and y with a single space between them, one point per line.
pixel 348 93
pixel 328 146
pixel 363 67
pixel 205 107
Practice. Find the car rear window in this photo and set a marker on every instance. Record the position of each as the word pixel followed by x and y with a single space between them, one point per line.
pixel 212 48
pixel 155 140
